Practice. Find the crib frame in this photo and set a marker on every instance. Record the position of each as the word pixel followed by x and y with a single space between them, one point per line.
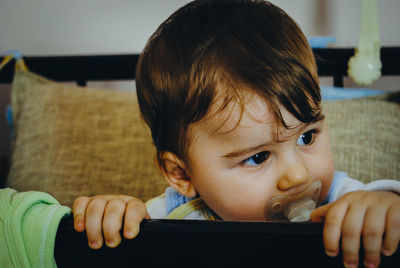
pixel 332 62
pixel 197 243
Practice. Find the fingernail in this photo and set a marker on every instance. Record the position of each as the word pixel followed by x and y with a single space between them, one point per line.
pixel 79 225
pixel 387 252
pixel 128 234
pixel 331 253
pixel 131 233
pixel 350 264
pixel 369 264
pixel 95 244
pixel 112 243
pixel 78 221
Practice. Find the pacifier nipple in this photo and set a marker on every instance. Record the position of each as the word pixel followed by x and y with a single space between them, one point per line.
pixel 301 210
pixel 296 207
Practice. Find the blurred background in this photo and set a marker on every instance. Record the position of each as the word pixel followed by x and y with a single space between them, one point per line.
pixel 93 27
pixel 52 27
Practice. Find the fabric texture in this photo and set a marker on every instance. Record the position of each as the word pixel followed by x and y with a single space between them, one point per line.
pixel 28 227
pixel 342 185
pixel 71 141
pixel 173 205
pixel 365 136
pixel 174 199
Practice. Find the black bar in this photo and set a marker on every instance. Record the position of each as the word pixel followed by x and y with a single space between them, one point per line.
pixel 81 82
pixel 330 61
pixel 338 81
pixel 78 68
pixel 169 243
pixel 333 61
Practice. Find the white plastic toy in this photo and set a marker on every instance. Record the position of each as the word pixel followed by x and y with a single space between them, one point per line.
pixel 365 66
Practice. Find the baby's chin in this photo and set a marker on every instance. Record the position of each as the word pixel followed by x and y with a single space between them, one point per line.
pixel 243 218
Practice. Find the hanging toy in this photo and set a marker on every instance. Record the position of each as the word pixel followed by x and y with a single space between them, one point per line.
pixel 365 66
pixel 9 55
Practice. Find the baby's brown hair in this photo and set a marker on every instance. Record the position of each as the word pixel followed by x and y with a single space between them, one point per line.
pixel 239 44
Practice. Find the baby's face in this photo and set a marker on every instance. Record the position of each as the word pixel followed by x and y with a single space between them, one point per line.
pixel 241 166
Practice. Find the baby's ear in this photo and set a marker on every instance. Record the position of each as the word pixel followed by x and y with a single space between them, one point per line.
pixel 175 173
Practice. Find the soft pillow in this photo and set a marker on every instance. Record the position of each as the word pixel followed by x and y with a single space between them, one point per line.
pixel 71 141
pixel 365 136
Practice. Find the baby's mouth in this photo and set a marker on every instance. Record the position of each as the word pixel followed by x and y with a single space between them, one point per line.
pixel 295 207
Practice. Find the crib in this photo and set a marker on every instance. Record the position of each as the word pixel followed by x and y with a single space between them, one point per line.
pixel 196 243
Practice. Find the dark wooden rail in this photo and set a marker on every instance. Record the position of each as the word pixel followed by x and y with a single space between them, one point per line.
pixel 194 243
pixel 331 62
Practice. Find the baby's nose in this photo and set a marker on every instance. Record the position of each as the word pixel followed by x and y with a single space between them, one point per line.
pixel 294 175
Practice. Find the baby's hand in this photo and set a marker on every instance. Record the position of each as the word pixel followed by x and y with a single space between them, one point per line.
pixel 105 214
pixel 371 215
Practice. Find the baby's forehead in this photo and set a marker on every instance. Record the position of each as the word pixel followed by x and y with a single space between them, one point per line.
pixel 239 115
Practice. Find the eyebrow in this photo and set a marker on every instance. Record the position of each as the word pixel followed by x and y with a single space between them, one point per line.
pixel 243 151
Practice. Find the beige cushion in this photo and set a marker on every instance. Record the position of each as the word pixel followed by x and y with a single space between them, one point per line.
pixel 72 141
pixel 365 136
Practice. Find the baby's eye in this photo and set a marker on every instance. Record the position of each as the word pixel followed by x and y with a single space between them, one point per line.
pixel 306 138
pixel 257 159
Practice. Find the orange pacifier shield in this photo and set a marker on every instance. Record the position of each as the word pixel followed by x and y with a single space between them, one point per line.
pixel 296 207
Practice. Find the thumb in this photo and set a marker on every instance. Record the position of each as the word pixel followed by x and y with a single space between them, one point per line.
pixel 318 214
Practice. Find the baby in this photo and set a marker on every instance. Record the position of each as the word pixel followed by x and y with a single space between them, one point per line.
pixel 230 92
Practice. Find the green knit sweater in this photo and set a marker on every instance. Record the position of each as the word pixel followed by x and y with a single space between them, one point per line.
pixel 28 227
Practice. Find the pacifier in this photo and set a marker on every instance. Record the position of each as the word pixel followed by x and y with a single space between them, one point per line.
pixel 296 207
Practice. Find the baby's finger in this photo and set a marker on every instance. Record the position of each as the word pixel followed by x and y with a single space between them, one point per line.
pixel 351 234
pixel 94 219
pixel 135 212
pixel 374 226
pixel 392 231
pixel 319 214
pixel 79 210
pixel 332 228
pixel 112 222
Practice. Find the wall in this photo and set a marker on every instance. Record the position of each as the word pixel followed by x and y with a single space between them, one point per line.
pixel 48 27
pixel 74 27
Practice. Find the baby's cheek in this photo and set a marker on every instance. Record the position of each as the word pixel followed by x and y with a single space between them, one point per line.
pixel 322 168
